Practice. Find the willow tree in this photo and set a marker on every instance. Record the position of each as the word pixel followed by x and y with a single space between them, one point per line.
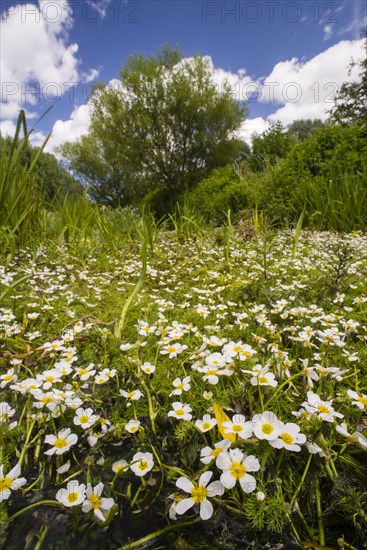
pixel 164 123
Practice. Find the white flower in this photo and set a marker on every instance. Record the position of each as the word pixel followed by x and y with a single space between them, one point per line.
pixel 237 349
pixel 260 495
pixel 142 463
pixel 266 426
pixel 133 395
pixel 62 443
pixel 119 466
pixel 85 372
pixel 289 438
pixel 238 426
pixel 10 482
pixel 9 376
pixel 356 437
pixel 172 350
pixel 207 395
pixel 85 418
pixel 359 400
pixel 73 495
pixel 180 411
pixel 199 494
pixel 235 466
pixel 6 412
pixel 147 367
pixel 207 454
pixel 263 378
pixel 206 424
pixel 94 501
pixel 180 385
pixel 323 409
pixel 132 426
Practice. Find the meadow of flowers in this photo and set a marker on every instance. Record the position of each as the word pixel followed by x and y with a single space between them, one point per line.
pixel 228 412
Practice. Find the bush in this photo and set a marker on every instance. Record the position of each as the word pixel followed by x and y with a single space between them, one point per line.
pixel 221 191
pixel 313 173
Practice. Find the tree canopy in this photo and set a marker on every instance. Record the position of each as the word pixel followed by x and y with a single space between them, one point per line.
pixel 351 101
pixel 164 124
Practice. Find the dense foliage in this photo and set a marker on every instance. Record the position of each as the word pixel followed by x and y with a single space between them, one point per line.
pixel 52 180
pixel 164 124
pixel 228 411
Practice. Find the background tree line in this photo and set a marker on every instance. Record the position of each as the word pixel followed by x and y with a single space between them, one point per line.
pixel 165 133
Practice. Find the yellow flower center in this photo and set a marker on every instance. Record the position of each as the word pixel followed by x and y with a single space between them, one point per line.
pixel 131 394
pixel 263 379
pixel 237 348
pixel 206 426
pixel 47 400
pixel 60 443
pixel 199 494
pixel 143 465
pixel 5 483
pixel 180 386
pixel 237 428
pixel 8 377
pixel 171 349
pixel 237 469
pixel 95 502
pixel 72 497
pixel 180 412
pixel 84 419
pixel 362 400
pixel 287 438
pixel 323 409
pixel 82 371
pixel 210 372
pixel 216 452
pixel 267 429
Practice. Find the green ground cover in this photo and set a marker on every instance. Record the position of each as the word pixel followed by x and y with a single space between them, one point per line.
pixel 224 408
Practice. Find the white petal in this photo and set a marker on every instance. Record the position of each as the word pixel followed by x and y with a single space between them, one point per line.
pixel 15 472
pixel 252 464
pixel 206 510
pixel 205 478
pixel 184 484
pixel 183 505
pixel 223 461
pixel 227 480
pixel 216 488
pixel 248 483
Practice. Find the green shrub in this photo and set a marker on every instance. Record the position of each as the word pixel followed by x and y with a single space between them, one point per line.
pixel 321 175
pixel 221 191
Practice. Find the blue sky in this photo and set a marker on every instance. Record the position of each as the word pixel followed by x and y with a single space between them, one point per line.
pixel 287 57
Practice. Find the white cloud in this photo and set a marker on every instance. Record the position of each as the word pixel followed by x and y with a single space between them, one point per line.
pixel 306 89
pixel 70 130
pixel 7 128
pixel 328 32
pixel 252 127
pixel 100 6
pixel 37 63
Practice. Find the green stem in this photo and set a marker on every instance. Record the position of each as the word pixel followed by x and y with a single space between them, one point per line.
pixel 139 543
pixel 261 397
pixel 25 446
pixel 319 515
pixel 301 482
pixel 151 408
pixel 43 502
pixel 282 386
